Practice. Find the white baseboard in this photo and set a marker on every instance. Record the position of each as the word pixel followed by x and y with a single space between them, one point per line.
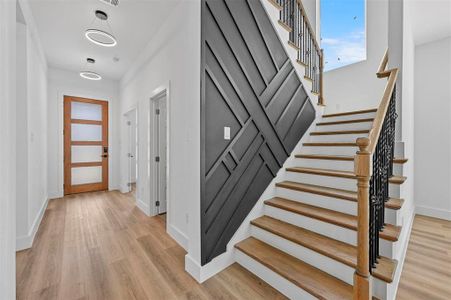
pixel 144 207
pixel 26 241
pixel 55 195
pixel 178 236
pixel 202 273
pixel 395 283
pixel 433 212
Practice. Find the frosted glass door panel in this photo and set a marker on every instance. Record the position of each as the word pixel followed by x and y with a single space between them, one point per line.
pixel 86 175
pixel 82 154
pixel 86 111
pixel 86 132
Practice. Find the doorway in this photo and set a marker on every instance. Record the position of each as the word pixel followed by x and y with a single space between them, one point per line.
pixel 159 142
pixel 85 145
pixel 131 119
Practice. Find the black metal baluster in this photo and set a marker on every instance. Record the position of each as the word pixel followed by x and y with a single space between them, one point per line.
pixel 379 182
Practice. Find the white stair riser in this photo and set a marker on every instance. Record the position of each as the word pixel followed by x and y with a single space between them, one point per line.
pixel 340 165
pixel 329 150
pixel 324 263
pixel 347 138
pixel 347 126
pixel 349 117
pixel 344 206
pixel 330 230
pixel 329 181
pixel 394 190
pixel 281 284
pixel 398 169
pixel 391 216
pixel 380 289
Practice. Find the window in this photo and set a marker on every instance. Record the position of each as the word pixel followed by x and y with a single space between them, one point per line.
pixel 343 32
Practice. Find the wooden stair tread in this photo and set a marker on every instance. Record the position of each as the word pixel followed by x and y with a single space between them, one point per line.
pixel 314 281
pixel 348 113
pixel 400 160
pixel 340 132
pixel 276 5
pixel 330 144
pixel 390 232
pixel 338 173
pixel 285 26
pixel 345 122
pixel 394 203
pixel 293 45
pixel 324 172
pixel 301 63
pixel 397 179
pixel 396 160
pixel 337 250
pixel 319 190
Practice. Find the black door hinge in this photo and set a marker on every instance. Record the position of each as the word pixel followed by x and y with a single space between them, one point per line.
pixel 157 158
pixel 157 203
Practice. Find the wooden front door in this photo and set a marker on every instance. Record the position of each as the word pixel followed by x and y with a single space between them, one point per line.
pixel 85 145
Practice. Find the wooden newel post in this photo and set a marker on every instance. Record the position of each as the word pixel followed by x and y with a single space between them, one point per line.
pixel 363 169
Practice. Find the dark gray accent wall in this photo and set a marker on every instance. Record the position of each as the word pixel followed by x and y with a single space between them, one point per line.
pixel 248 84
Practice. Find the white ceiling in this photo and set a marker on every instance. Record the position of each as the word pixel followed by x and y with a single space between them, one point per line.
pixel 61 25
pixel 431 20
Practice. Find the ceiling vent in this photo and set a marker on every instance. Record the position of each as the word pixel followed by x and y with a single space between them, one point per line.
pixel 111 2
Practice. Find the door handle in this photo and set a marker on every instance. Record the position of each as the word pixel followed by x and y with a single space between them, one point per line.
pixel 104 155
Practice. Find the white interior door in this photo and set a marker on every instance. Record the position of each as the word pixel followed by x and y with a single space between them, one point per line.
pixel 132 148
pixel 160 142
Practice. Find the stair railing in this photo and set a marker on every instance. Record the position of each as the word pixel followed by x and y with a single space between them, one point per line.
pixel 373 166
pixel 302 37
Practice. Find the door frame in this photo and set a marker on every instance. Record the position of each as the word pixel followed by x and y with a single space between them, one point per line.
pixel 163 89
pixel 67 168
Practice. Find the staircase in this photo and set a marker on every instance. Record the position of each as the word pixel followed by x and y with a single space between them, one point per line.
pixel 305 244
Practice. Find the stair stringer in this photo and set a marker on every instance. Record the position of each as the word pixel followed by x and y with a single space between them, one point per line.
pixel 219 263
pixel 404 217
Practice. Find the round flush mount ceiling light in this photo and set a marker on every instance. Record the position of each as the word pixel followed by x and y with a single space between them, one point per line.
pixel 101 37
pixel 90 74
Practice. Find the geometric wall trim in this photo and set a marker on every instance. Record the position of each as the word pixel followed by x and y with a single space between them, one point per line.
pixel 249 85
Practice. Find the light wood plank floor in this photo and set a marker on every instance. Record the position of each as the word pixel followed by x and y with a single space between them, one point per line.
pixel 427 268
pixel 100 246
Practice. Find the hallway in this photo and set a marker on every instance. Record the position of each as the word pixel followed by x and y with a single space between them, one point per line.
pixel 101 246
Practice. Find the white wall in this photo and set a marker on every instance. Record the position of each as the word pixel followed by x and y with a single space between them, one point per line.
pixel 68 83
pixel 133 145
pixel 356 86
pixel 171 59
pixel 31 136
pixel 21 130
pixel 432 128
pixel 312 8
pixel 7 149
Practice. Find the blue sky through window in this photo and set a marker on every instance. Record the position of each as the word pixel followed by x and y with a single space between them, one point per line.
pixel 343 32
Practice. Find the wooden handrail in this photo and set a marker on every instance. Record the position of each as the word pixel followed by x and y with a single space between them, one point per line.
pixel 363 168
pixel 392 75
